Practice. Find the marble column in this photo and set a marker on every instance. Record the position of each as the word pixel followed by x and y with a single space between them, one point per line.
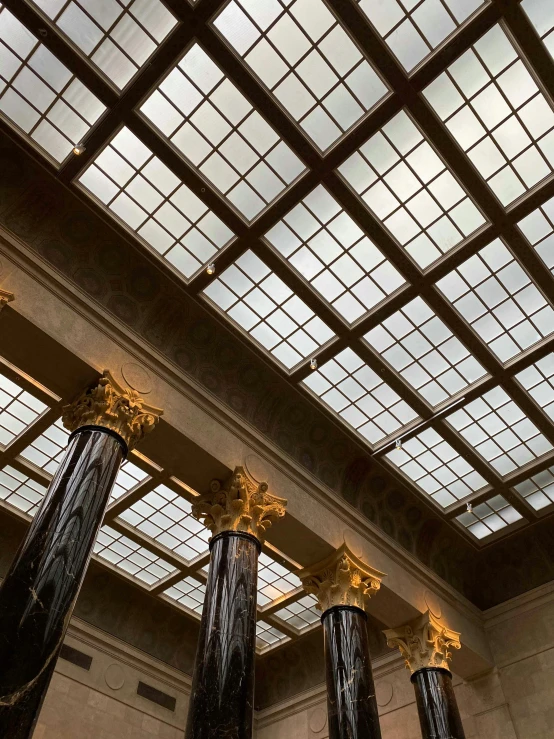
pixel 343 585
pixel 41 587
pixel 238 515
pixel 425 643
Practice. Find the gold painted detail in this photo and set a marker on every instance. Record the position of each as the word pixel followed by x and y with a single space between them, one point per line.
pixel 5 298
pixel 341 580
pixel 240 504
pixel 424 642
pixel 118 408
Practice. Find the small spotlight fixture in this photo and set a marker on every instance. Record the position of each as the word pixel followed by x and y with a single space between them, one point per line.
pixel 398 444
pixel 313 363
pixel 469 508
pixel 210 269
pixel 79 149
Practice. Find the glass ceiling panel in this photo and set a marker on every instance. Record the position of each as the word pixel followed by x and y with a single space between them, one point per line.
pixel 39 95
pixel 500 432
pixel 305 58
pixel 409 188
pixel 413 30
pixel 436 468
pixel 18 410
pixel 274 580
pixel 353 391
pixel 495 295
pixel 20 491
pixel 538 490
pixel 268 636
pixel 538 229
pixel 488 517
pixel 301 615
pixel 495 111
pixel 117 36
pixel 201 112
pixel 189 593
pixel 538 380
pixel 541 15
pixel 130 557
pixel 422 349
pixel 328 250
pixel 139 190
pixel 165 517
pixel 252 296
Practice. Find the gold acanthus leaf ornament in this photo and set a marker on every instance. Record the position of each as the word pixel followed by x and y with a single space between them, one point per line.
pixel 341 580
pixel 240 504
pixel 5 298
pixel 118 408
pixel 424 642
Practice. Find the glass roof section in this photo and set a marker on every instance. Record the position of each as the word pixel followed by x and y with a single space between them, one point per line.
pixel 413 30
pixel 328 249
pixel 357 394
pixel 497 298
pixel 274 580
pixel 18 410
pixel 541 15
pixel 436 468
pixel 117 36
pixel 538 490
pixel 20 491
pixel 39 95
pixel 538 229
pixel 487 518
pixel 201 112
pixel 418 345
pixel 538 380
pixel 130 557
pixel 252 296
pixel 495 111
pixel 500 431
pixel 306 60
pixel 139 190
pixel 268 635
pixel 165 517
pixel 189 593
pixel 409 188
pixel 302 614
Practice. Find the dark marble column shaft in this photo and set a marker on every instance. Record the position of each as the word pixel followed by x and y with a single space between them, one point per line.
pixel 436 704
pixel 41 587
pixel 351 703
pixel 222 697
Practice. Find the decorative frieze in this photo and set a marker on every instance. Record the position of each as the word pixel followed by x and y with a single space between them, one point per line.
pixel 424 642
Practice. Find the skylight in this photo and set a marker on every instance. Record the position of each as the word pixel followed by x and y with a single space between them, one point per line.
pixel 144 194
pixel 411 191
pixel 274 580
pixel 18 410
pixel 359 396
pixel 165 517
pixel 436 468
pixel 259 302
pixel 117 36
pixel 328 249
pixel 189 593
pixel 495 295
pixel 305 58
pixel 413 30
pixel 488 517
pixel 500 431
pixel 538 229
pixel 538 490
pixel 418 345
pixel 215 127
pixel 302 614
pixel 538 380
pixel 541 15
pixel 20 491
pixel 268 635
pixel 38 94
pixel 495 111
pixel 130 557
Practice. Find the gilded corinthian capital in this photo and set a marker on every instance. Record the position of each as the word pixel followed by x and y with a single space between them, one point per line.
pixel 240 504
pixel 424 642
pixel 5 298
pixel 118 408
pixel 341 580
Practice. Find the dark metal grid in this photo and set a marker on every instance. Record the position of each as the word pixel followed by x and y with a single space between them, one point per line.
pixel 406 94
